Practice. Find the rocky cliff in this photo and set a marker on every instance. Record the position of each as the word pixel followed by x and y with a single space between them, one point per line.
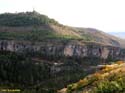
pixel 69 49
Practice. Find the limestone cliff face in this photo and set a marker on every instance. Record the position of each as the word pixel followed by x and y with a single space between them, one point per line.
pixel 67 49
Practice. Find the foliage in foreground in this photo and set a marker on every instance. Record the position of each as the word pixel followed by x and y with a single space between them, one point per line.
pixel 111 79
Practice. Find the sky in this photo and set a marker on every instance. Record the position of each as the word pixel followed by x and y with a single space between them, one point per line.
pixel 105 15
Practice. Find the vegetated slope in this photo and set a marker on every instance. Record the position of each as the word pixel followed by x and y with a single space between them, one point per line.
pixel 24 19
pixel 32 26
pixel 109 79
pixel 102 37
pixel 38 27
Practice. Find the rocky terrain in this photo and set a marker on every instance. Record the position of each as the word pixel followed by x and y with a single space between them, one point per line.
pixel 69 49
pixel 33 32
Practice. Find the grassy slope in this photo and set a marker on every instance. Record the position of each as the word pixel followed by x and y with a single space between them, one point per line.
pixel 37 33
pixel 33 26
pixel 110 79
pixel 37 27
pixel 99 36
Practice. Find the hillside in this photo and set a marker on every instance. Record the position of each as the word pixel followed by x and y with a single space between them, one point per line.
pixel 34 26
pixel 109 79
pixel 37 52
pixel 25 19
pixel 100 36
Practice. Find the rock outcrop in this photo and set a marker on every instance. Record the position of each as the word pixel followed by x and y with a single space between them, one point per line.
pixel 69 49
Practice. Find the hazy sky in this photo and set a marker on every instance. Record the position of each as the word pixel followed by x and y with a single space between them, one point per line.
pixel 106 15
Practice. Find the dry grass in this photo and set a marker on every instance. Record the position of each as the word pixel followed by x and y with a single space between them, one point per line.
pixel 90 82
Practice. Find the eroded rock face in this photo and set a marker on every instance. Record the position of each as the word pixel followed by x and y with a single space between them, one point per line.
pixel 68 50
pixel 105 52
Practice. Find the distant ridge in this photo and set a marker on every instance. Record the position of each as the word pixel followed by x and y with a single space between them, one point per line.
pixel 118 34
